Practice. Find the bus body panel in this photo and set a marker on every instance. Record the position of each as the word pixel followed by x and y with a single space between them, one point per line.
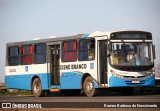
pixel 118 78
pixel 117 82
pixel 24 81
pixel 20 77
pixel 72 80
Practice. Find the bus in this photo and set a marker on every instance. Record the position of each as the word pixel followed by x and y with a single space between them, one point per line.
pixel 83 62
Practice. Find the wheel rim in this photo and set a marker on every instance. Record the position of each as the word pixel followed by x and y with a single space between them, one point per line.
pixel 89 87
pixel 36 87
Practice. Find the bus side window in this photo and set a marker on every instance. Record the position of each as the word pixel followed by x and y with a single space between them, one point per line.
pixel 26 52
pixel 40 54
pixel 13 56
pixel 86 50
pixel 69 52
pixel 92 50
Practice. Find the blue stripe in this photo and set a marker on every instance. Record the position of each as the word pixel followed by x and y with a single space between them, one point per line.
pixel 24 81
pixel 117 82
pixel 72 80
pixel 85 35
pixel 68 80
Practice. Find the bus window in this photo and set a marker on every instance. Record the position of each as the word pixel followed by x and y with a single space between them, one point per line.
pixel 69 52
pixel 13 58
pixel 40 54
pixel 26 52
pixel 86 50
pixel 132 54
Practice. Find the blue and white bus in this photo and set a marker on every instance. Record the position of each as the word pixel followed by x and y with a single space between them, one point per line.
pixel 119 59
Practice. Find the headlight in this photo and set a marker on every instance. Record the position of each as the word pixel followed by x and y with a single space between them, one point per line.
pixel 116 75
pixel 149 75
pixel 152 73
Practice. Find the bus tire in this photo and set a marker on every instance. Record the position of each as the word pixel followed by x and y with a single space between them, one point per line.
pixel 88 87
pixel 37 88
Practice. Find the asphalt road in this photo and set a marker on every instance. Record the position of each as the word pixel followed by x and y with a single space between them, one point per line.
pixel 149 99
pixel 136 98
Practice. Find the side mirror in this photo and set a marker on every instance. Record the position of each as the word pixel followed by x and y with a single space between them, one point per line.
pixel 154 51
pixel 109 46
pixel 109 49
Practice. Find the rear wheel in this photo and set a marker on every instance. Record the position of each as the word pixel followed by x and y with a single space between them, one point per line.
pixel 88 87
pixel 37 88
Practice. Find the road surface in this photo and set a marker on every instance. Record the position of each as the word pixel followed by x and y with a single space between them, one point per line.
pixel 82 101
pixel 137 98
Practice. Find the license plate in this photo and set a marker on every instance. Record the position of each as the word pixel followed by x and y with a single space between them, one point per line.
pixel 135 81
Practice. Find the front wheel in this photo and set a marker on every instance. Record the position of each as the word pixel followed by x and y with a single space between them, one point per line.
pixel 37 88
pixel 88 87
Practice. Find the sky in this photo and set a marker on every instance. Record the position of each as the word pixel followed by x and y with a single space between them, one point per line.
pixel 22 20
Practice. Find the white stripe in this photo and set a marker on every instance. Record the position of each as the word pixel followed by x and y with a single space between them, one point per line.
pixel 131 40
pixel 21 69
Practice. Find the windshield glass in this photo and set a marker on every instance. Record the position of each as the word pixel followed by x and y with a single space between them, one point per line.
pixel 131 54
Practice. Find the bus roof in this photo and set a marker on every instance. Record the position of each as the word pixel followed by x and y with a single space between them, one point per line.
pixel 99 33
pixel 46 40
pixel 77 36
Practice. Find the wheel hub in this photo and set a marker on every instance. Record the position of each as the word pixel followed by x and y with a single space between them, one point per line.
pixel 89 87
pixel 36 87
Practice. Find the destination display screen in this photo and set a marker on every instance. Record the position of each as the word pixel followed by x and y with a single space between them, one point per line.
pixel 125 35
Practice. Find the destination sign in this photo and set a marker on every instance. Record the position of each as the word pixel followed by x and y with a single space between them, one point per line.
pixel 131 36
pixel 127 36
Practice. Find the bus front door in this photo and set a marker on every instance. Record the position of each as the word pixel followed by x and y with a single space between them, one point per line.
pixel 102 57
pixel 54 66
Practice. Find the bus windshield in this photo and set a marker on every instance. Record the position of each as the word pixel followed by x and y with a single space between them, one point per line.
pixel 132 54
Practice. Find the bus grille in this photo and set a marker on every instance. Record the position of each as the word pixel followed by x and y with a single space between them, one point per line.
pixel 134 77
pixel 131 83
